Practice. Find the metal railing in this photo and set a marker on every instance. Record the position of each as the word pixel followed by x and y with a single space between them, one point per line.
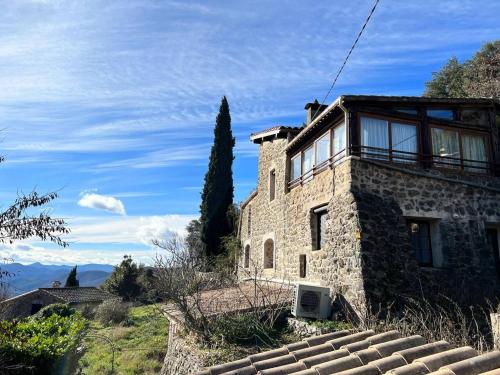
pixel 459 165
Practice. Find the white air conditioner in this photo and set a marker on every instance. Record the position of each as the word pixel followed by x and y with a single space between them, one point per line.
pixel 311 301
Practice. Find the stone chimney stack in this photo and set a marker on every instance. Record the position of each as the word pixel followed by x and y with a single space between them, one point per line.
pixel 313 110
pixel 56 284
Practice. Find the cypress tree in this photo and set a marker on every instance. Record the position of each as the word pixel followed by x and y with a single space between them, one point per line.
pixel 217 194
pixel 71 280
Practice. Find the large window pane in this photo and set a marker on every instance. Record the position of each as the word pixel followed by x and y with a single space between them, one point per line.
pixel 323 149
pixel 445 147
pixel 375 136
pixel 474 148
pixel 339 142
pixel 295 168
pixel 404 138
pixel 307 163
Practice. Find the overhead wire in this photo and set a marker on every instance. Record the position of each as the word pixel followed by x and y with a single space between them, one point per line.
pixel 347 57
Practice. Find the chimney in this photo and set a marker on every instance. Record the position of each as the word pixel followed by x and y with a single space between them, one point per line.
pixel 56 284
pixel 313 110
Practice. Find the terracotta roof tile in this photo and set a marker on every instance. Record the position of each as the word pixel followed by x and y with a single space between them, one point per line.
pixel 80 294
pixel 387 353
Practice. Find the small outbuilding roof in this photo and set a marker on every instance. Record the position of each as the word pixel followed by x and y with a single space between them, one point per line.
pixel 84 294
pixel 364 353
pixel 80 294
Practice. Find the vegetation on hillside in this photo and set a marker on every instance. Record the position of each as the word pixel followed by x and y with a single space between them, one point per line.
pixel 477 77
pixel 34 345
pixel 132 281
pixel 218 189
pixel 139 342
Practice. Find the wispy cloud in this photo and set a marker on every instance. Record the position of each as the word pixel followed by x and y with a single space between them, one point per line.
pixel 102 202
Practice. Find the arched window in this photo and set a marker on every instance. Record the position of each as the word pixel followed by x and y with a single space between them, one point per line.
pixel 269 253
pixel 246 262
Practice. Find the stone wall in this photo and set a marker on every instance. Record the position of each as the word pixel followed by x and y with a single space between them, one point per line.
pixel 20 306
pixel 182 357
pixel 464 266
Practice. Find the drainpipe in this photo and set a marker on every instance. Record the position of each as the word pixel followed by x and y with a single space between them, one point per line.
pixel 347 127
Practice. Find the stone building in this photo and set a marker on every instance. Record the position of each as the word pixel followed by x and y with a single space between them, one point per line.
pixel 31 302
pixel 377 197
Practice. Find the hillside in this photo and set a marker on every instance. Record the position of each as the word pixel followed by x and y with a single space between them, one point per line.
pixel 31 276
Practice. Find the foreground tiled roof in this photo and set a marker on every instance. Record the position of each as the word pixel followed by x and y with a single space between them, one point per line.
pixel 79 294
pixel 364 353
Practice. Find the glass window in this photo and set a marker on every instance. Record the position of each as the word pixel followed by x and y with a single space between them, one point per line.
pixel 410 111
pixel 404 139
pixel 323 149
pixel 269 254
pixel 272 185
pixel 445 147
pixel 247 256
pixel 420 240
pixel 308 162
pixel 446 114
pixel 320 215
pixel 295 167
pixel 474 153
pixel 374 136
pixel 339 141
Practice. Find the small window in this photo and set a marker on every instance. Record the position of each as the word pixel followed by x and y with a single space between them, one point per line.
pixel 409 111
pixel 246 262
pixel 269 254
pixel 445 114
pixel 249 221
pixel 295 171
pixel 319 230
pixel 272 185
pixel 323 149
pixel 446 147
pixel 302 265
pixel 420 240
pixel 308 163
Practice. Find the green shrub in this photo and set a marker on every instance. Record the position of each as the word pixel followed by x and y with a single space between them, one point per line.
pixel 36 343
pixel 331 325
pixel 111 312
pixel 60 309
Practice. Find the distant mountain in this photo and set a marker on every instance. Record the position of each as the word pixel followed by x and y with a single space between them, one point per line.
pixel 31 276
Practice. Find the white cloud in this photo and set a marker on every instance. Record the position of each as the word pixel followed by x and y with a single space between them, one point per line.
pixel 126 229
pixel 102 202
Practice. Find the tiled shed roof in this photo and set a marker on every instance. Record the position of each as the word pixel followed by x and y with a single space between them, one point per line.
pixel 364 353
pixel 79 294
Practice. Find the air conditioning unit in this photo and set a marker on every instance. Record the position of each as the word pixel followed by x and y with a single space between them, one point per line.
pixel 311 301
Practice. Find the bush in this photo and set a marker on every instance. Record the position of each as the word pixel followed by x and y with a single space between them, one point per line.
pixel 35 344
pixel 60 309
pixel 111 312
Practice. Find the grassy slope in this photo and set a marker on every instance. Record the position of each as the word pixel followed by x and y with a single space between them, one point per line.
pixel 141 347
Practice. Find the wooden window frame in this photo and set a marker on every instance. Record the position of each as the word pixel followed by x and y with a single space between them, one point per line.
pixel 426 222
pixel 318 212
pixel 390 120
pixel 461 131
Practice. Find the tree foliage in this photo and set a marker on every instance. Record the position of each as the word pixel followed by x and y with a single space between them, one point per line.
pixel 124 280
pixel 477 77
pixel 33 345
pixel 217 194
pixel 71 280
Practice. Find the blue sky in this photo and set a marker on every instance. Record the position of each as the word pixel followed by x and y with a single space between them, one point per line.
pixel 112 103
